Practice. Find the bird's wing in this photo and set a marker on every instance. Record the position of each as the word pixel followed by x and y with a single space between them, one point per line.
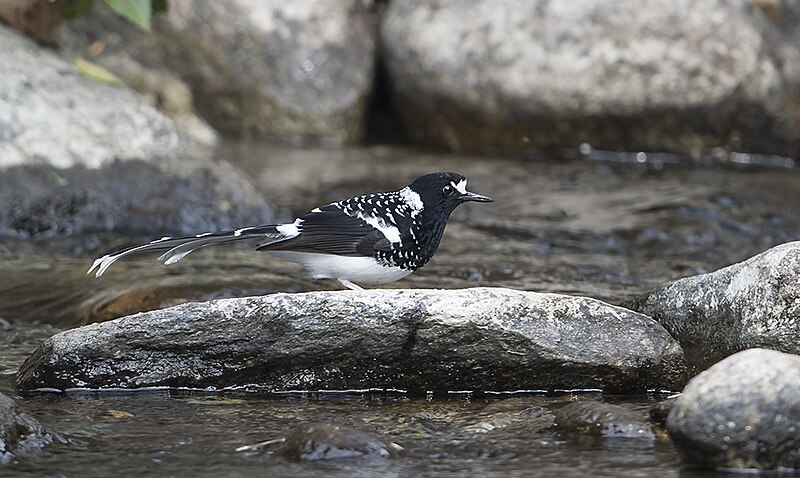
pixel 329 230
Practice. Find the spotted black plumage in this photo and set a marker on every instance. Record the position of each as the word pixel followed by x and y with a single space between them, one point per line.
pixel 369 240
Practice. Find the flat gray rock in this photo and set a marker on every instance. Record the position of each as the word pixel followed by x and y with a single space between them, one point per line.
pixel 755 303
pixel 415 340
pixel 681 76
pixel 78 155
pixel 741 413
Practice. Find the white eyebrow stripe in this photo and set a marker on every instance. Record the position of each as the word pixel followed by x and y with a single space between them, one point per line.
pixel 461 186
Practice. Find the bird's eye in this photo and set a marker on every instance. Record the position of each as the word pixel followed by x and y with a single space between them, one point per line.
pixel 448 190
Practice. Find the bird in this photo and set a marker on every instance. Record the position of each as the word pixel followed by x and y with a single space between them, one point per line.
pixel 363 241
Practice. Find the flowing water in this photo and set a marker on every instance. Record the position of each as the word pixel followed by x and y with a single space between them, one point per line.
pixel 604 229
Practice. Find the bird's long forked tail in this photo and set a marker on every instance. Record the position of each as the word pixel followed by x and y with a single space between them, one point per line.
pixel 179 247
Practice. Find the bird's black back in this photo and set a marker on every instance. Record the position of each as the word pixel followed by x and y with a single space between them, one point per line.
pixel 394 228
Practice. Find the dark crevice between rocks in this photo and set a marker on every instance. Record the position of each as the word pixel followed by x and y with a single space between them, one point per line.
pixel 383 124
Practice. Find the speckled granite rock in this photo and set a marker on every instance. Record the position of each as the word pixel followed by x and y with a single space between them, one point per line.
pixel 682 76
pixel 79 156
pixel 417 340
pixel 298 71
pixel 755 303
pixel 741 413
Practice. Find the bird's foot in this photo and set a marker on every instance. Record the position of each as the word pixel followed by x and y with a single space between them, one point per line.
pixel 350 285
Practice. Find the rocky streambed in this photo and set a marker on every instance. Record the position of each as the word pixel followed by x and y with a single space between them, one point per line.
pixel 483 375
pixel 651 277
pixel 477 342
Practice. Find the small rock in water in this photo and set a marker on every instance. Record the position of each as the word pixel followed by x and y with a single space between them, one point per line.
pixel 590 418
pixel 322 441
pixel 20 433
pixel 533 419
pixel 660 411
pixel 743 412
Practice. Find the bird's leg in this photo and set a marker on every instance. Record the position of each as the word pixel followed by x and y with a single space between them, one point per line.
pixel 350 285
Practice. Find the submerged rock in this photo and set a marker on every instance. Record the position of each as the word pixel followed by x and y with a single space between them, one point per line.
pixel 531 419
pixel 20 433
pixel 295 71
pixel 660 411
pixel 77 155
pixel 599 419
pixel 682 76
pixel 418 340
pixel 741 413
pixel 322 441
pixel 755 303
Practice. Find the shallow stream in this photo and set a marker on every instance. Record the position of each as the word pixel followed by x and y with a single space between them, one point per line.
pixel 605 229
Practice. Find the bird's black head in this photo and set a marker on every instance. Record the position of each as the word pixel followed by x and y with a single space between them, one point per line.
pixel 443 192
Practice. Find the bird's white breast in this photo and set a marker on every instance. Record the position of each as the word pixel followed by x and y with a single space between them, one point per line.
pixel 360 270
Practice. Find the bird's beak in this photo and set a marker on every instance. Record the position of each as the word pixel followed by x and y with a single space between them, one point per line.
pixel 469 196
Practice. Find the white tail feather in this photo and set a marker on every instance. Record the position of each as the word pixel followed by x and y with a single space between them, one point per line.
pixel 178 248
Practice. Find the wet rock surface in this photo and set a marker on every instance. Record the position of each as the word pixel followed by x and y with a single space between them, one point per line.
pixel 294 71
pixel 741 413
pixel 20 433
pixel 755 303
pixel 685 77
pixel 77 155
pixel 323 441
pixel 599 419
pixel 499 417
pixel 416 340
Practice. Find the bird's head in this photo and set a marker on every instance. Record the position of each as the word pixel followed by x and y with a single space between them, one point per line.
pixel 444 192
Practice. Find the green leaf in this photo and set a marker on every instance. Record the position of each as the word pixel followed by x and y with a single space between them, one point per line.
pixel 57 178
pixel 160 6
pixel 137 11
pixel 73 8
pixel 96 72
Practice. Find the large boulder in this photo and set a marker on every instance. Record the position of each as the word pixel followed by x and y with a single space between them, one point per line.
pixel 683 76
pixel 77 155
pixel 20 433
pixel 295 71
pixel 741 413
pixel 416 340
pixel 755 303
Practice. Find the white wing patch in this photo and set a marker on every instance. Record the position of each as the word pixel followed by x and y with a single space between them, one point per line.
pixel 290 230
pixel 390 232
pixel 412 199
pixel 461 186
